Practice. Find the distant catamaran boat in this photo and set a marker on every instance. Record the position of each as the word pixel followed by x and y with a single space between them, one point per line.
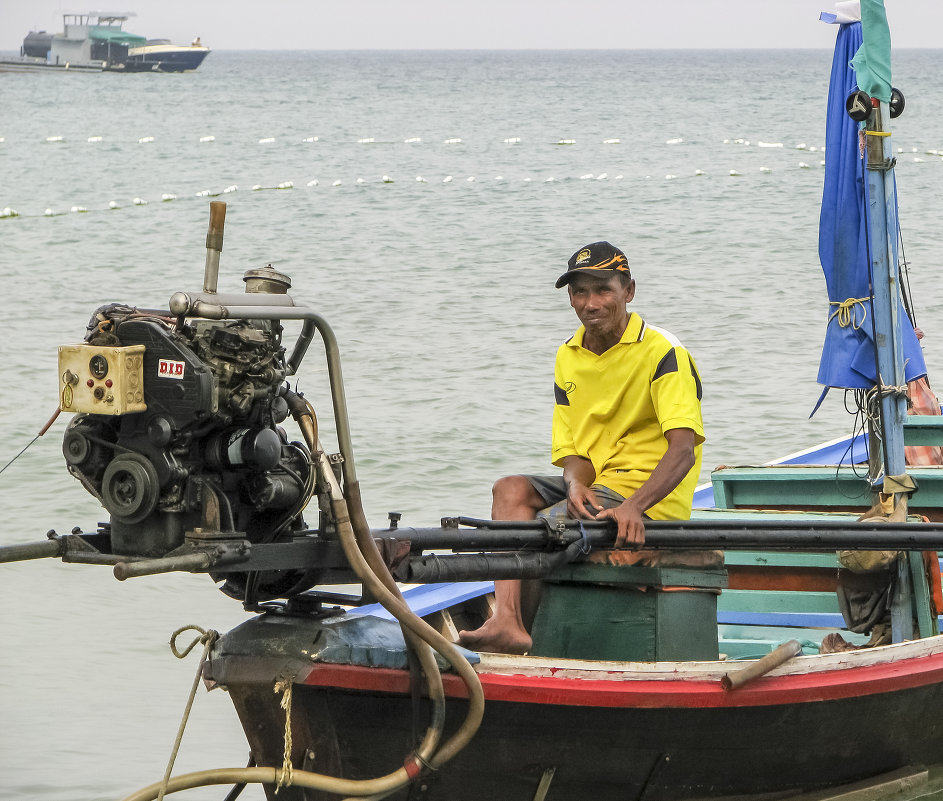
pixel 96 42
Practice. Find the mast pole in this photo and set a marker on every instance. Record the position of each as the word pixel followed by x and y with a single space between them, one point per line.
pixel 891 384
pixel 891 381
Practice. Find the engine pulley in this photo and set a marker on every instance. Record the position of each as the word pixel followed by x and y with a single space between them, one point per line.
pixel 130 487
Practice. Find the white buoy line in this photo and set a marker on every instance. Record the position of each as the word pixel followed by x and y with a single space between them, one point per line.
pixel 60 139
pixel 511 140
pixel 365 140
pixel 168 197
pixel 798 146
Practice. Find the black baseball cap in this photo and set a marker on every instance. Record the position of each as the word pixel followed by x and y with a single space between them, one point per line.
pixel 598 256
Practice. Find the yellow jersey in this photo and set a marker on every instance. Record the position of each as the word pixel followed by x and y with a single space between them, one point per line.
pixel 614 409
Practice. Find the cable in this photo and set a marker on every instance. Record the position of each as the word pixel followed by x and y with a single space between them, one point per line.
pixel 42 431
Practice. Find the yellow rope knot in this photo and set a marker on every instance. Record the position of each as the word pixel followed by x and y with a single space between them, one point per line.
pixel 847 312
pixel 284 686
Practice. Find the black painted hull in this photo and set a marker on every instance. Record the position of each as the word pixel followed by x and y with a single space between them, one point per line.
pixel 170 61
pixel 617 754
pixel 661 731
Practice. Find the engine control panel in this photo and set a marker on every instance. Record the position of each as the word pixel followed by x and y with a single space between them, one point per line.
pixel 101 380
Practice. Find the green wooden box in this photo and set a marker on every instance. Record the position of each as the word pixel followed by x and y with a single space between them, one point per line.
pixel 591 611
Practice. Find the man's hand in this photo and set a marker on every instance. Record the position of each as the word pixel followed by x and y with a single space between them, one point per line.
pixel 630 528
pixel 578 475
pixel 668 473
pixel 581 501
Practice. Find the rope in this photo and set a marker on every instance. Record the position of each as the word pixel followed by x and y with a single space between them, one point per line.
pixel 897 392
pixel 20 453
pixel 847 312
pixel 44 429
pixel 207 638
pixel 903 270
pixel 878 392
pixel 585 546
pixel 285 775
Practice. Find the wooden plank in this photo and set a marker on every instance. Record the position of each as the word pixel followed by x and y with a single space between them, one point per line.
pixel 765 515
pixel 776 559
pixel 926 625
pixel 750 632
pixel 791 486
pixel 783 620
pixel 791 579
pixel 920 429
pixel 777 601
pixel 931 647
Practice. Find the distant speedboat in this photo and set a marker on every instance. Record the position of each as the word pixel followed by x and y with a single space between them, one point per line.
pixel 161 55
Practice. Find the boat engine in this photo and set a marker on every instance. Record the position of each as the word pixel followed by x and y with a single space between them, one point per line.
pixel 178 429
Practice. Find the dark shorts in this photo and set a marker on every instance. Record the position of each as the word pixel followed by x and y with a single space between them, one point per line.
pixel 553 490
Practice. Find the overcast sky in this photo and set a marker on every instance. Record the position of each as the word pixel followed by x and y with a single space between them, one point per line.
pixel 480 24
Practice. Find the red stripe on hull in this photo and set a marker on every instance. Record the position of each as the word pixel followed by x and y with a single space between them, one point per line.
pixel 651 694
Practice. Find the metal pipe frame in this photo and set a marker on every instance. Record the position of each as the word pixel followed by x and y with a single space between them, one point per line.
pixel 197 306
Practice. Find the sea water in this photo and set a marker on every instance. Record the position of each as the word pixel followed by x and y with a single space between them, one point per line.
pixel 429 200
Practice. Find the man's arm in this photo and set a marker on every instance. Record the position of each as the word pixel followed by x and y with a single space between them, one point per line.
pixel 578 475
pixel 668 473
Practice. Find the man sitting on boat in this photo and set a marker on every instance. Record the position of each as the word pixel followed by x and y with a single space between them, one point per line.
pixel 627 429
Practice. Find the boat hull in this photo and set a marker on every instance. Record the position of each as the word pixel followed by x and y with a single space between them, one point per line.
pixel 27 64
pixel 608 730
pixel 164 59
pixel 603 754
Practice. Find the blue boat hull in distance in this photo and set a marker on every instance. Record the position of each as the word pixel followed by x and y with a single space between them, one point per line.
pixel 164 58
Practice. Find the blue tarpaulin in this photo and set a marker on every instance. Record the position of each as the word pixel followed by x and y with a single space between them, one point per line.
pixel 848 359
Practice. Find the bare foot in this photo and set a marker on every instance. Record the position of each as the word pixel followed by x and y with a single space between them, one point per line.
pixel 496 637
